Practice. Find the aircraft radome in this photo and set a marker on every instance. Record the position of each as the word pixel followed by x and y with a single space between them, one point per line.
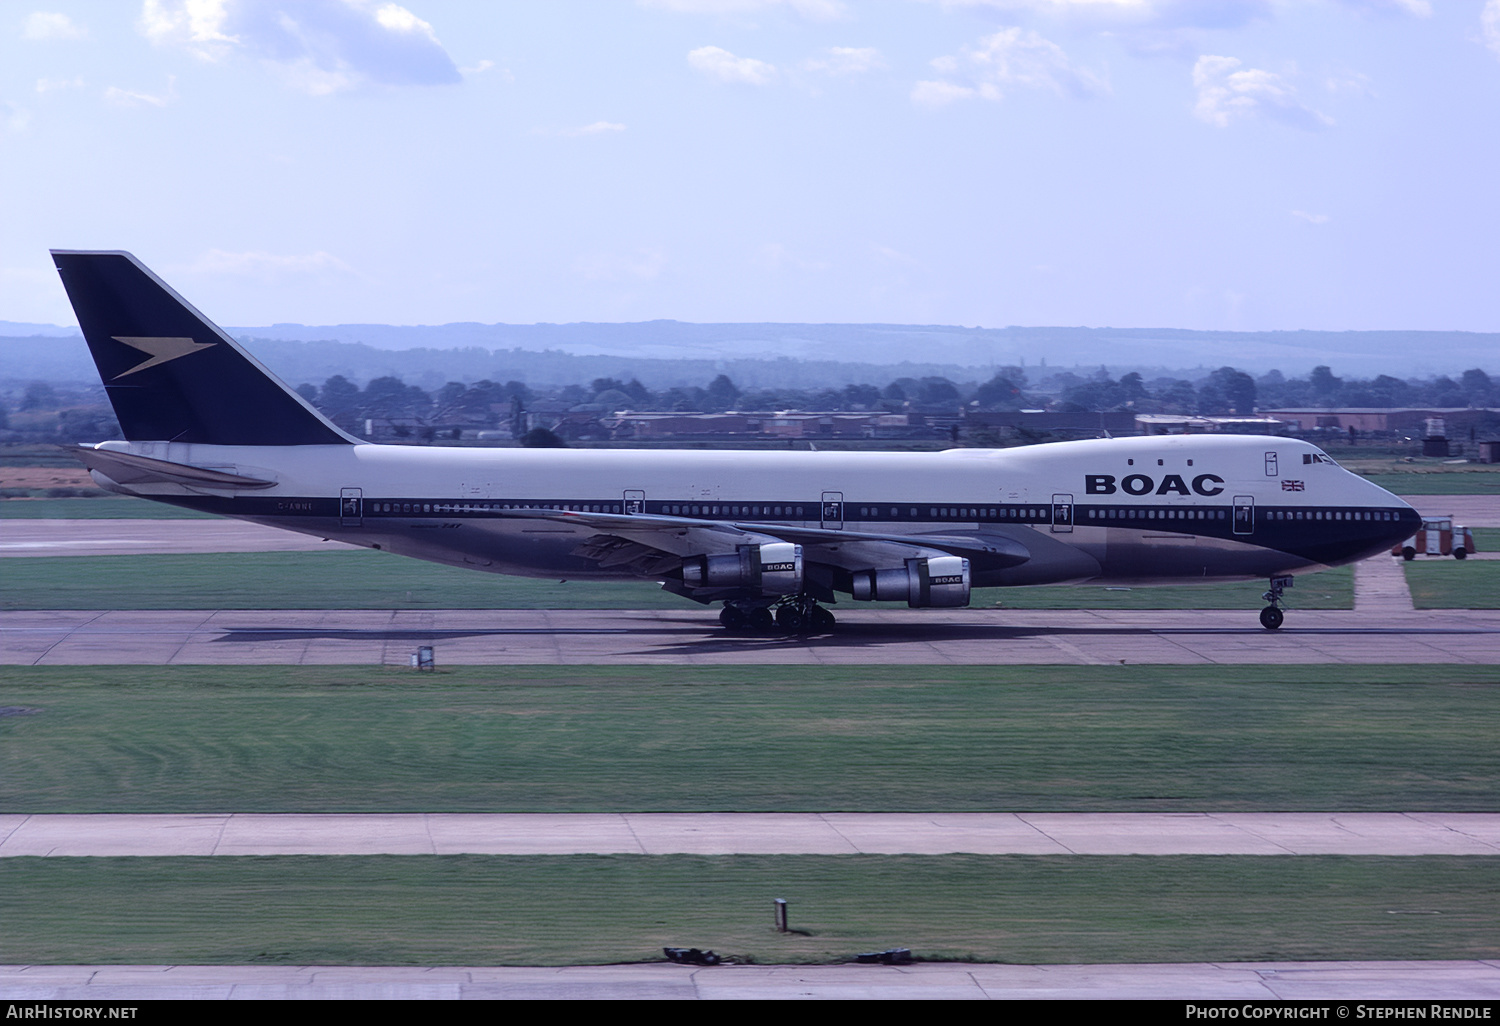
pixel 769 534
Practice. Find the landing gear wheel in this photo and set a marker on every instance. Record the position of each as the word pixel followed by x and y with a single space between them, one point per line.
pixel 790 619
pixel 759 619
pixel 1460 554
pixel 1271 617
pixel 1408 553
pixel 822 620
pixel 732 617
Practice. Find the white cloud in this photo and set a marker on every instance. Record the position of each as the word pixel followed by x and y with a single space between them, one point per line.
pixel 260 264
pixel 52 85
pixel 597 128
pixel 642 265
pixel 813 10
pixel 846 60
pixel 47 25
pixel 13 119
pixel 1350 83
pixel 318 46
pixel 129 98
pixel 1138 13
pixel 1416 8
pixel 1311 218
pixel 773 256
pixel 726 67
pixel 197 25
pixel 1489 26
pixel 1227 93
pixel 940 94
pixel 1010 57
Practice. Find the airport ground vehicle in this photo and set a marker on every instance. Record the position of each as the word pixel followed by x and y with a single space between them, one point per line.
pixel 1438 536
pixel 771 535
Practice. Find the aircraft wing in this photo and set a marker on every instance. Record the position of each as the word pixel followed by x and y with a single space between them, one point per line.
pixel 848 550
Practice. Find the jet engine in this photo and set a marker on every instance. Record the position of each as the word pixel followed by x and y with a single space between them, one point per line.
pixel 936 581
pixel 773 569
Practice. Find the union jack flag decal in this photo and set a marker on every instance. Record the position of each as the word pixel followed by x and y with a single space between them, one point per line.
pixel 1292 486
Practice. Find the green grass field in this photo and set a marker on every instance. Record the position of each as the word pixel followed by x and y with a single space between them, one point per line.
pixel 109 507
pixel 376 580
pixel 1474 481
pixel 1422 476
pixel 577 910
pixel 1451 584
pixel 672 738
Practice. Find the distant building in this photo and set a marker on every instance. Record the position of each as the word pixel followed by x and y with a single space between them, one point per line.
pixel 1407 421
pixel 789 424
pixel 1187 424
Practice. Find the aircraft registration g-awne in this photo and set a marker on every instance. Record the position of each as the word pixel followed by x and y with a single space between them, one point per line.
pixel 769 534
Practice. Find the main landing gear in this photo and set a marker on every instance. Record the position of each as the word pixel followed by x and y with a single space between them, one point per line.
pixel 793 614
pixel 1272 616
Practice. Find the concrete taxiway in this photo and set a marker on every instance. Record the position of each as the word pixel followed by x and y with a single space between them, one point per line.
pixel 1472 980
pixel 693 637
pixel 150 537
pixel 811 833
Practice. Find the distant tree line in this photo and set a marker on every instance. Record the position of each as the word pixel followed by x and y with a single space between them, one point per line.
pixel 40 410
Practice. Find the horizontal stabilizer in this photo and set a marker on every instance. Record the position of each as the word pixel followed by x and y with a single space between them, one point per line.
pixel 126 468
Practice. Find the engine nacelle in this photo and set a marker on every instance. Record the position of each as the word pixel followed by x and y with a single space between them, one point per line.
pixel 942 581
pixel 774 569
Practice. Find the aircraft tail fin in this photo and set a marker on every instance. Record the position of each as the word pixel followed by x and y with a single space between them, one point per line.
pixel 171 374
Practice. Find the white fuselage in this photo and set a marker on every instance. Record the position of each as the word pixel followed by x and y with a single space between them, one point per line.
pixel 1145 510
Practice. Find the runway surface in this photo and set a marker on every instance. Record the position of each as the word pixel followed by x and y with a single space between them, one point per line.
pixel 1469 980
pixel 826 833
pixel 692 637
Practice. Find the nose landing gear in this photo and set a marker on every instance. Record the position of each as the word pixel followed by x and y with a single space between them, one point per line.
pixel 1272 616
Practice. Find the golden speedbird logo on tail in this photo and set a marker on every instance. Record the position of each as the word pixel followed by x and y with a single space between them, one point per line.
pixel 160 350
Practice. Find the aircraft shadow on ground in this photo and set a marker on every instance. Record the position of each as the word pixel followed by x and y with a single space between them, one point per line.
pixel 692 634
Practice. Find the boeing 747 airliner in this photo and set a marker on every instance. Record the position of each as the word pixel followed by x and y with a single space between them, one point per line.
pixel 771 535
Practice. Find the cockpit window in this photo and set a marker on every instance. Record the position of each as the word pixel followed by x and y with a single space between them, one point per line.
pixel 1317 457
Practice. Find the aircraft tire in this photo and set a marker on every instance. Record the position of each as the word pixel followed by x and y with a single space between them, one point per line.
pixel 790 619
pixel 760 619
pixel 1460 554
pixel 732 618
pixel 822 620
pixel 1408 553
pixel 1271 618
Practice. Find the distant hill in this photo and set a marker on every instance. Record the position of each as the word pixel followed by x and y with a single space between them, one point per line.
pixel 667 353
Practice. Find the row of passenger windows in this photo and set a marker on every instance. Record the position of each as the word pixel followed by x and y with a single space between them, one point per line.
pixel 1022 513
pixel 731 511
pixel 954 513
pixel 481 507
pixel 1153 514
pixel 1329 514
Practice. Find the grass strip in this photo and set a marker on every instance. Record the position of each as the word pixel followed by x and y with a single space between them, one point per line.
pixel 1473 479
pixel 104 508
pixel 1451 584
pixel 576 910
pixel 762 738
pixel 377 580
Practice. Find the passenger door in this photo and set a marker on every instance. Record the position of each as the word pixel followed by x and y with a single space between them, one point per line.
pixel 1062 514
pixel 1244 514
pixel 833 511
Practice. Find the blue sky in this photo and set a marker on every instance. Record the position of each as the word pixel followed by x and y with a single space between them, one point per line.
pixel 1229 164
